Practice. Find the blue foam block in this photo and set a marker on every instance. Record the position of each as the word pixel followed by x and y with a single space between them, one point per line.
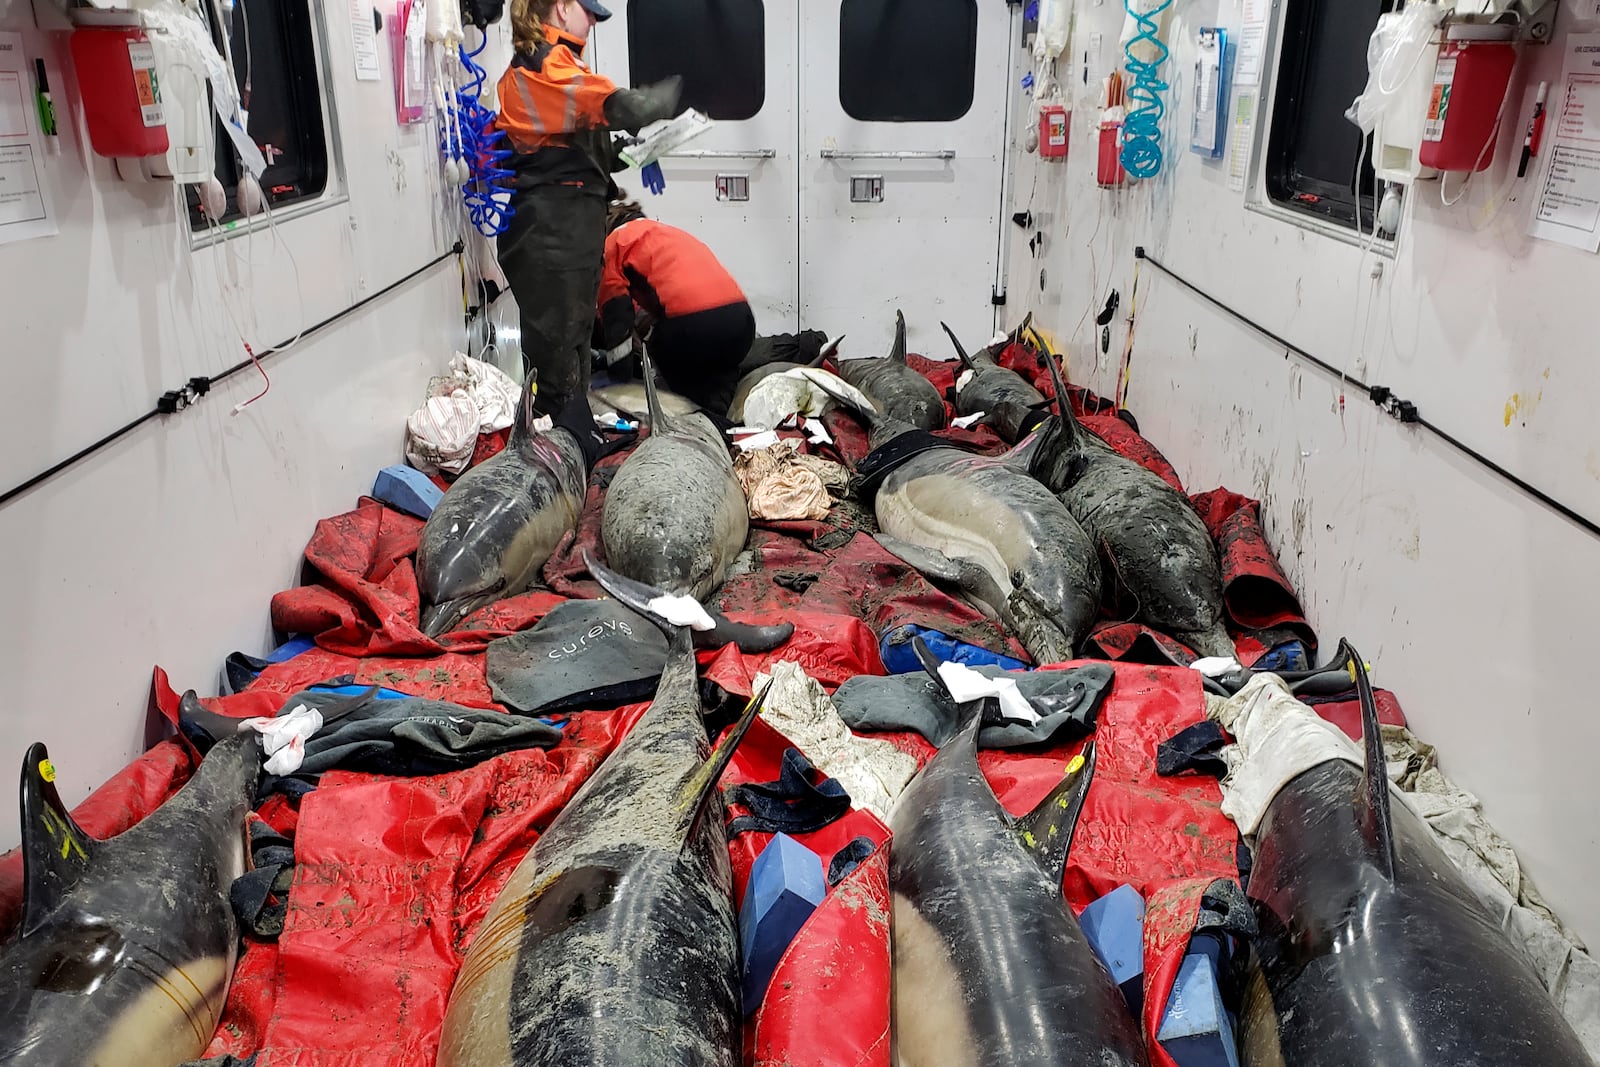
pixel 900 658
pixel 786 885
pixel 1114 925
pixel 407 489
pixel 290 649
pixel 1195 1029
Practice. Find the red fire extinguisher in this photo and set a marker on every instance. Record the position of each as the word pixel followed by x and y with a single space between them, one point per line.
pixel 1054 121
pixel 117 79
pixel 1469 87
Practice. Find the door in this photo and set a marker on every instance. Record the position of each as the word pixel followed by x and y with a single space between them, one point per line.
pixel 902 101
pixel 902 130
pixel 735 187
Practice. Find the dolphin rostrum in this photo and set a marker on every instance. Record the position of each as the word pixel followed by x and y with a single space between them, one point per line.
pixel 1010 403
pixel 614 941
pixel 990 967
pixel 127 945
pixel 894 388
pixel 1156 549
pixel 491 535
pixel 1373 949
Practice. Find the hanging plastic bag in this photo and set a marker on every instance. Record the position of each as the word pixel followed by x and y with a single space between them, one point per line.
pixel 1396 47
pixel 1055 27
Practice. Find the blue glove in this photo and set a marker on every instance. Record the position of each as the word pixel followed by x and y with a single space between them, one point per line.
pixel 654 180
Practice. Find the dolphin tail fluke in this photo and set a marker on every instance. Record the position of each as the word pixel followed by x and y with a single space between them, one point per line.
pixel 961 352
pixel 969 715
pixel 898 351
pixel 698 790
pixel 714 629
pixel 55 849
pixel 1047 830
pixel 750 639
pixel 1375 824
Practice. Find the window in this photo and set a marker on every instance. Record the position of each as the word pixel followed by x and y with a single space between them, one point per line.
pixel 1312 149
pixel 275 62
pixel 719 46
pixel 907 60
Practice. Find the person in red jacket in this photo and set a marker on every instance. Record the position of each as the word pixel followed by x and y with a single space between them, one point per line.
pixel 701 323
pixel 560 118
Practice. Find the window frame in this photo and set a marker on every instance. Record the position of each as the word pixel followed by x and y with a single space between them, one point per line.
pixel 335 190
pixel 1264 193
pixel 972 83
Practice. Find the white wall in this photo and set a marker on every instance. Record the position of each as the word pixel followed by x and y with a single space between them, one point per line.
pixel 165 548
pixel 1474 603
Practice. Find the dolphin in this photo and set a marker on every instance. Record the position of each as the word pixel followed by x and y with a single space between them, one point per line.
pixel 1007 398
pixel 1372 947
pixel 894 388
pixel 614 941
pixel 628 400
pixel 1154 545
pixel 127 945
pixel 498 524
pixel 741 392
pixel 675 515
pixel 985 526
pixel 990 967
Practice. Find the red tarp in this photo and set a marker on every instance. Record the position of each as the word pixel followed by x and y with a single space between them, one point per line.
pixel 394 874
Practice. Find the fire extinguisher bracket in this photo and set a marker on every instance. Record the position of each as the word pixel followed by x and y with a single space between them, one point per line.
pixel 1522 21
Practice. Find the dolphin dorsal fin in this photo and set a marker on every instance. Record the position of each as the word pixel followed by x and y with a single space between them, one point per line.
pixel 652 399
pixel 1376 826
pixel 829 350
pixel 55 850
pixel 897 351
pixel 961 352
pixel 1046 831
pixel 702 786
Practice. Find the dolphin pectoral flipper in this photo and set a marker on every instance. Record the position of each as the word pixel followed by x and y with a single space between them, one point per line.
pixel 958 571
pixel 699 789
pixel 1046 831
pixel 55 849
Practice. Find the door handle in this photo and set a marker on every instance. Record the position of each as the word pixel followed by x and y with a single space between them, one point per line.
pixel 736 153
pixel 834 153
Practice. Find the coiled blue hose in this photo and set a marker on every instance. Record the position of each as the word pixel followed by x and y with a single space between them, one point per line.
pixel 1141 130
pixel 487 191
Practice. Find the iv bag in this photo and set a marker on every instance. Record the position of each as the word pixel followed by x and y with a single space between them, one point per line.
pixel 1054 27
pixel 1394 51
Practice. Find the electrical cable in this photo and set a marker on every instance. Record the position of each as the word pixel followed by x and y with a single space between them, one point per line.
pixel 1141 129
pixel 176 400
pixel 1396 408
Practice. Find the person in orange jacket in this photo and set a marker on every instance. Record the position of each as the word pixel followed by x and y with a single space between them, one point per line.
pixel 560 117
pixel 701 323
